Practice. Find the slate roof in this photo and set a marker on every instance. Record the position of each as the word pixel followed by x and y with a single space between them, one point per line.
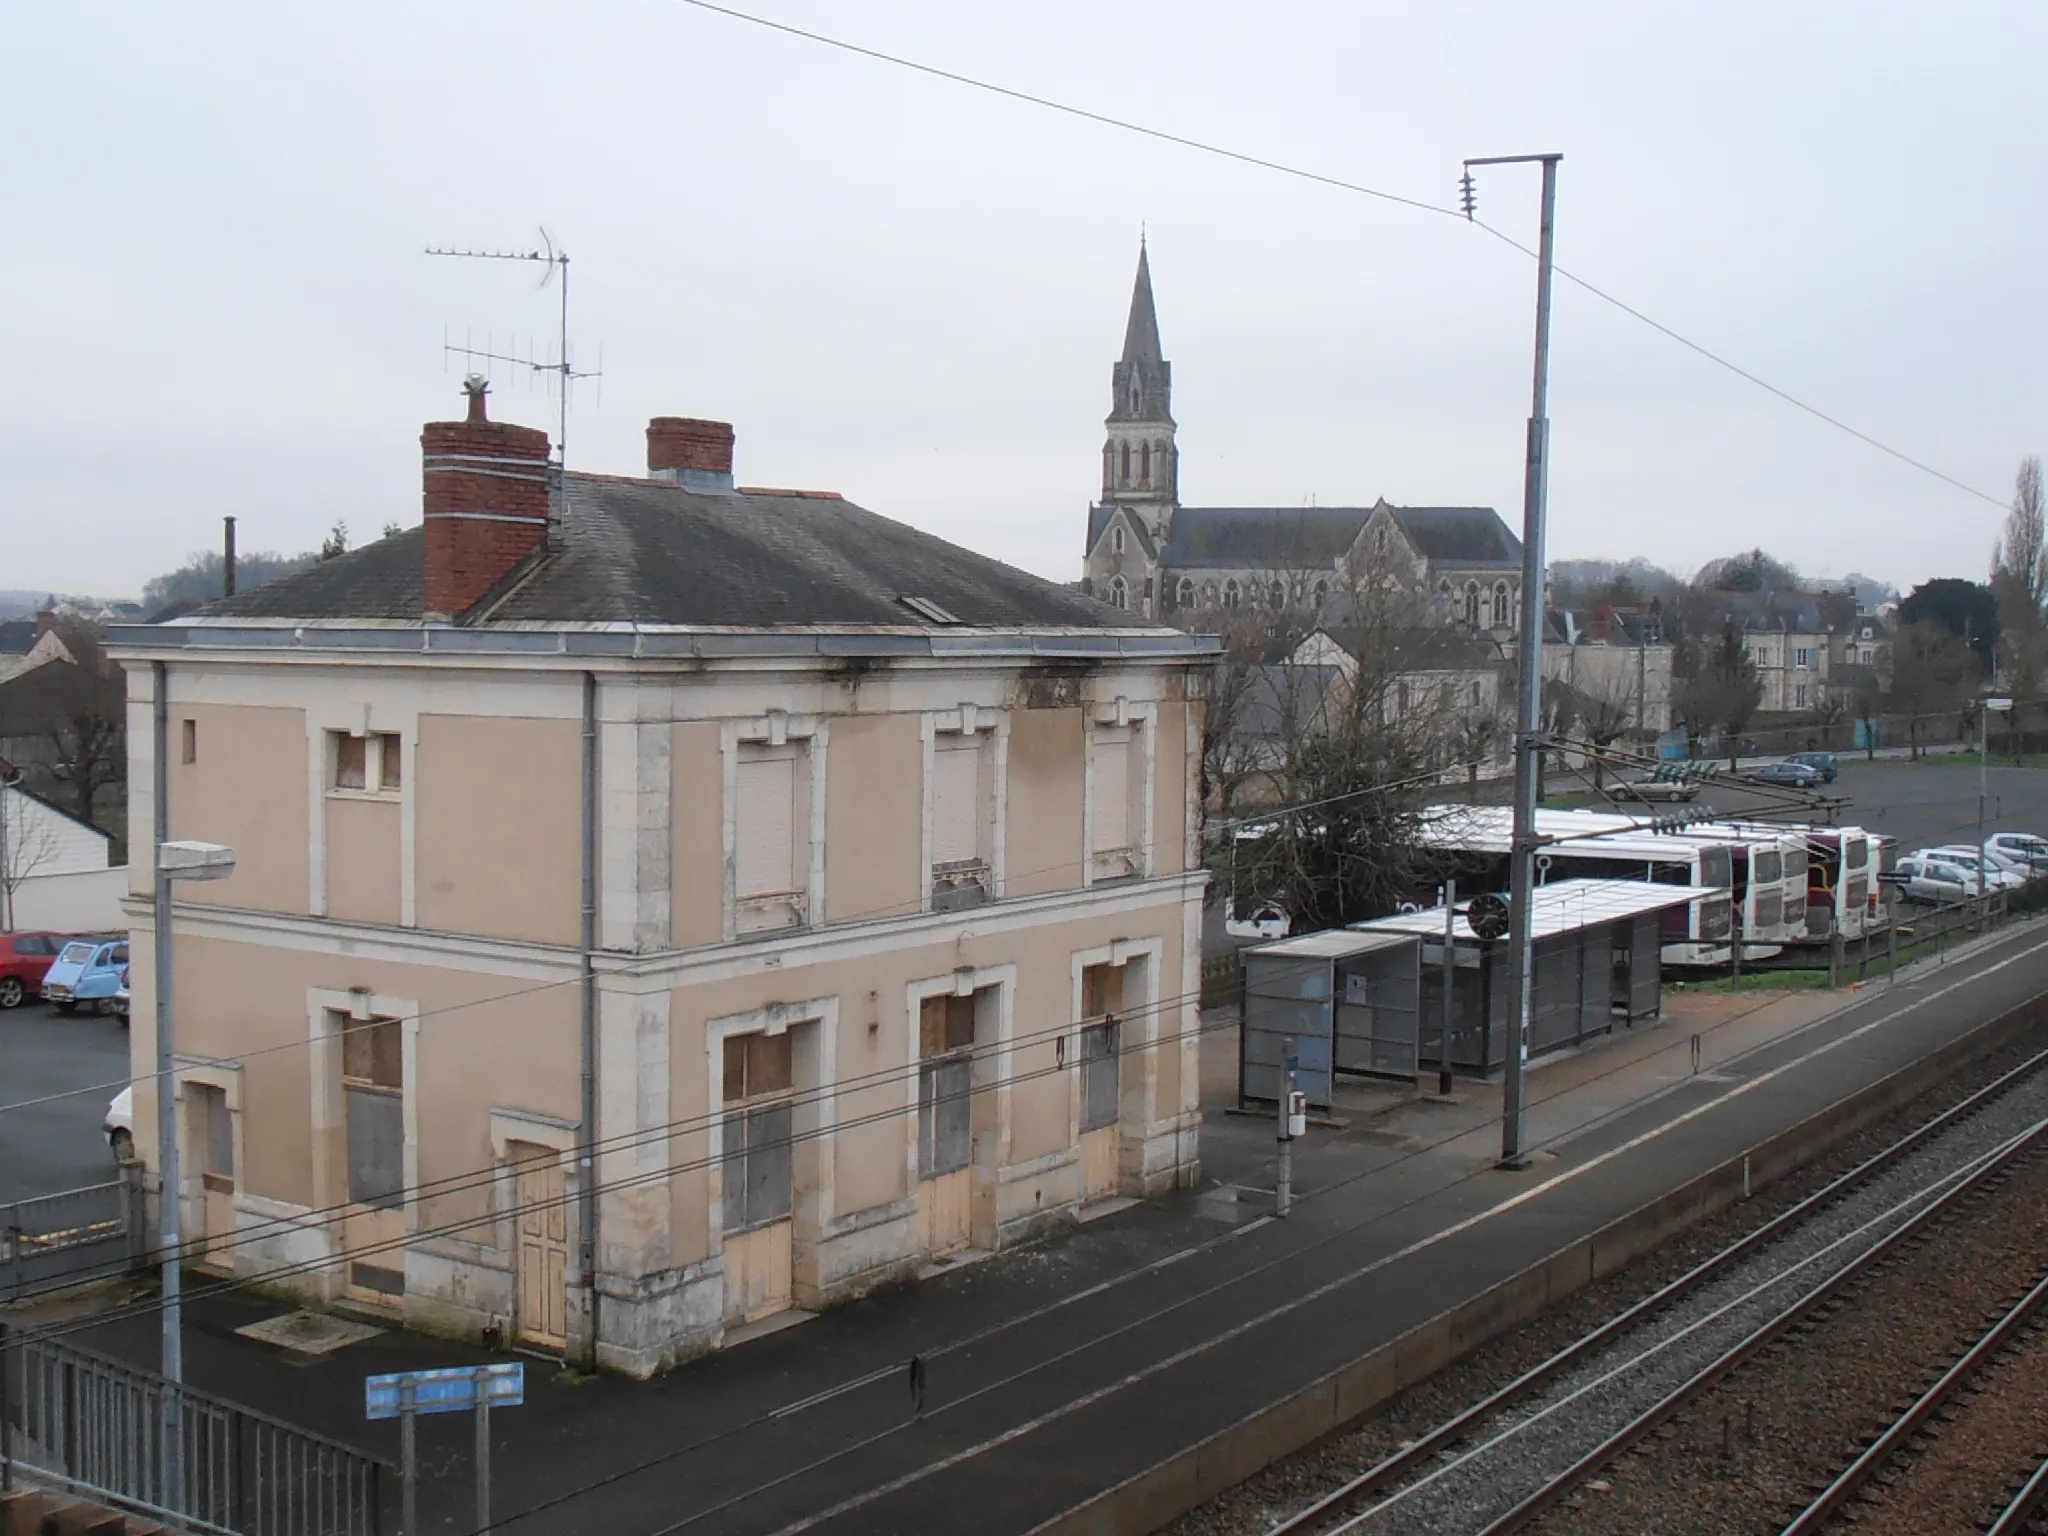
pixel 634 551
pixel 1294 538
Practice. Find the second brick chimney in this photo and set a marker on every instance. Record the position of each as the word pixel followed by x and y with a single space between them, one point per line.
pixel 696 455
pixel 485 498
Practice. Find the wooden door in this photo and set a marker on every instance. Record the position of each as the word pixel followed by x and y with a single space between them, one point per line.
pixel 757 1177
pixel 757 1272
pixel 539 1196
pixel 210 1143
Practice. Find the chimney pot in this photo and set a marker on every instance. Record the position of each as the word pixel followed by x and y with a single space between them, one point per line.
pixel 695 454
pixel 485 494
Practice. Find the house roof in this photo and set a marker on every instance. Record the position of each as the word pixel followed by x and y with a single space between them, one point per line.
pixel 9 777
pixel 1463 536
pixel 646 552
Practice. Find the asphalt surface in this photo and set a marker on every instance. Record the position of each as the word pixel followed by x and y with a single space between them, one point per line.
pixel 57 1145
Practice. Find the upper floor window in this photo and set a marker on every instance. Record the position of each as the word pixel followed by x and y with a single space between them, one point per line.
pixel 1184 593
pixel 1472 603
pixel 1116 779
pixel 1125 461
pixel 188 741
pixel 1276 594
pixel 962 818
pixel 1233 595
pixel 771 836
pixel 1803 657
pixel 372 764
pixel 1145 464
pixel 1501 609
pixel 1119 592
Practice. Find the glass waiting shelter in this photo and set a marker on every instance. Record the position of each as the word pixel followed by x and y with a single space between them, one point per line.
pixel 1595 949
pixel 1347 1001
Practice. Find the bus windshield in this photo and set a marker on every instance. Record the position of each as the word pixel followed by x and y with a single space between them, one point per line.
pixel 1716 868
pixel 1767 867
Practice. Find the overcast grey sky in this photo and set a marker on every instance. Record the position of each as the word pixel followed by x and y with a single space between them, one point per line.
pixel 912 292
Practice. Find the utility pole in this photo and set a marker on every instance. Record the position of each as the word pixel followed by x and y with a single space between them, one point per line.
pixel 1529 668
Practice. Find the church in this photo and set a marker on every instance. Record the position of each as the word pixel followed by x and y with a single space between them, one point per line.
pixel 1148 553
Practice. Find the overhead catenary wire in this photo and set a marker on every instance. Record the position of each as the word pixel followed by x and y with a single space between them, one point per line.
pixel 1341 184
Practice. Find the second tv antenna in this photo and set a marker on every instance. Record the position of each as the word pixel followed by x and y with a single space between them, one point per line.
pixel 555 260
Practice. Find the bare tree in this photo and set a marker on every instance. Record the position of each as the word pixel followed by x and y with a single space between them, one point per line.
pixel 67 726
pixel 1931 674
pixel 1829 710
pixel 2019 560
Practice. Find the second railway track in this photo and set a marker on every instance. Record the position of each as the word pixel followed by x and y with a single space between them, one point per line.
pixel 1503 1462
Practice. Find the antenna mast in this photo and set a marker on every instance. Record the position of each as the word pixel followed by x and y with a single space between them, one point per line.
pixel 556 261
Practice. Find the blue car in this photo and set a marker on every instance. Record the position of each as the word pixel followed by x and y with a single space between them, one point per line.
pixel 86 972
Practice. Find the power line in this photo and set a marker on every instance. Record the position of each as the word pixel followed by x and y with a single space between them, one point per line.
pixel 1338 183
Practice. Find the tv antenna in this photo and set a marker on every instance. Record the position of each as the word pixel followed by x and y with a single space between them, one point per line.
pixel 555 261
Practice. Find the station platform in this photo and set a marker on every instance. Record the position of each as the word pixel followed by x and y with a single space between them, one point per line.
pixel 1107 1379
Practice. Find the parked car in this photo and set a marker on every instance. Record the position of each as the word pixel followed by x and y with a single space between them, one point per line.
pixel 1658 789
pixel 1786 775
pixel 1927 877
pixel 2021 845
pixel 1822 763
pixel 86 971
pixel 1263 920
pixel 1996 878
pixel 120 1125
pixel 24 959
pixel 118 1003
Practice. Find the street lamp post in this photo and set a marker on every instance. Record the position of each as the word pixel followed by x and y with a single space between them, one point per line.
pixel 1529 668
pixel 174 860
pixel 1984 708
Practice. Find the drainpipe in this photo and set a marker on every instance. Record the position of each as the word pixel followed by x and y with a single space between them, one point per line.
pixel 586 1160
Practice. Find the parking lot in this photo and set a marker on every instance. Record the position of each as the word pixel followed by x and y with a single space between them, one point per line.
pixel 56 1145
pixel 1919 804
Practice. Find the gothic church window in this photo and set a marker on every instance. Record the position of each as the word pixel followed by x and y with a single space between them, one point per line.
pixel 1379 542
pixel 1279 594
pixel 1184 594
pixel 1126 477
pixel 1135 397
pixel 1145 465
pixel 1322 593
pixel 1119 593
pixel 1232 594
pixel 1472 603
pixel 1116 539
pixel 1500 604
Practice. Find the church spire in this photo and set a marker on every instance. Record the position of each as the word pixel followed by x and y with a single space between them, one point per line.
pixel 1142 381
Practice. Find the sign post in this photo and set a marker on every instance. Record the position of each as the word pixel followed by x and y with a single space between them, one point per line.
pixel 406 1394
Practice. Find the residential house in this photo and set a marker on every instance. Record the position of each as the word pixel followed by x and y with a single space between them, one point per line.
pixel 54 868
pixel 1790 637
pixel 1614 657
pixel 1147 553
pixel 661 905
pixel 27 643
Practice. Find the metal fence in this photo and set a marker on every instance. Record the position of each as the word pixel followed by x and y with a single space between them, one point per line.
pixel 79 1422
pixel 96 1229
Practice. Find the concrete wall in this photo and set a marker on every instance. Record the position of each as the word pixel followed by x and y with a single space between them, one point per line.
pixel 87 902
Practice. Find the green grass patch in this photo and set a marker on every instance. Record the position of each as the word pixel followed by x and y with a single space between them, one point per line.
pixel 1755 981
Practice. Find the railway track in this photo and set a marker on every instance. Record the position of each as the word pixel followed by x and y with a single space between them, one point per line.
pixel 1501 1463
pixel 2026 1510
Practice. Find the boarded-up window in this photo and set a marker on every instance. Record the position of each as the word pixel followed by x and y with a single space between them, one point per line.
pixel 945 1084
pixel 757 1126
pixel 373 1101
pixel 390 761
pixel 1109 763
pixel 771 836
pixel 957 804
pixel 351 760
pixel 1102 999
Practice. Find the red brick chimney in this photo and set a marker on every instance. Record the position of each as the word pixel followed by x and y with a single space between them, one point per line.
pixel 485 494
pixel 696 455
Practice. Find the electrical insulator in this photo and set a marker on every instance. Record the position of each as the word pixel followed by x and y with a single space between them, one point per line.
pixel 1468 194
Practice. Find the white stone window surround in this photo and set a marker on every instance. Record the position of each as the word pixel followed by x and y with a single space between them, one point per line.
pixel 968 719
pixel 814 1081
pixel 996 1063
pixel 777 728
pixel 324 1005
pixel 1143 718
pixel 1138 1030
pixel 208 1073
pixel 324 719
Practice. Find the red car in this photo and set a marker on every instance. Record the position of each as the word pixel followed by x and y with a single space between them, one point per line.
pixel 23 959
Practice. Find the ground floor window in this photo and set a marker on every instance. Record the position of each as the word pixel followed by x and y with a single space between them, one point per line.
pixel 1102 1001
pixel 757 1126
pixel 945 1084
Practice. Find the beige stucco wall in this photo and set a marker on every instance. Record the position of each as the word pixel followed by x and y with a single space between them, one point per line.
pixel 1046 766
pixel 697 864
pixel 873 809
pixel 484 1041
pixel 1170 797
pixel 499 819
pixel 247 789
pixel 362 858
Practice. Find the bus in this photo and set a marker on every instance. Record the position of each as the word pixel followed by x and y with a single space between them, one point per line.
pixel 1841 882
pixel 1472 843
pixel 1770 868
